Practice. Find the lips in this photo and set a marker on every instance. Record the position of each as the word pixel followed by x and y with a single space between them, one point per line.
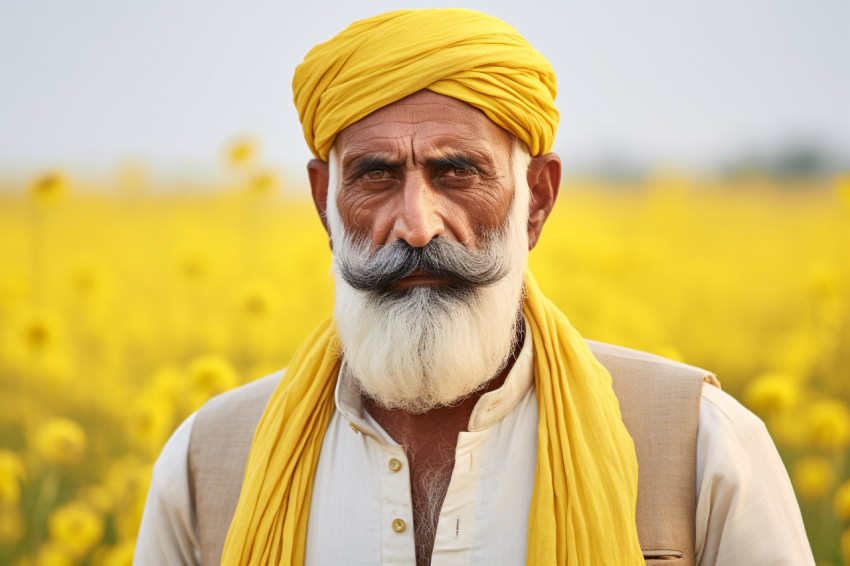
pixel 420 277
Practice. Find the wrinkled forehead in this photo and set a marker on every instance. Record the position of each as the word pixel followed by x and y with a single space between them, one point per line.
pixel 421 124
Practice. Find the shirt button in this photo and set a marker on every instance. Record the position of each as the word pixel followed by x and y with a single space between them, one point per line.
pixel 394 464
pixel 399 525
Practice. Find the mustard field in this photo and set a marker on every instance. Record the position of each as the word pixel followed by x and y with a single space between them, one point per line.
pixel 123 307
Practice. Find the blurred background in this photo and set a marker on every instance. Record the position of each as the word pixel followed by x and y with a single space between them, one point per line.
pixel 158 245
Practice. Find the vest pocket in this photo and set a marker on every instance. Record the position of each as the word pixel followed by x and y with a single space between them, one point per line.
pixel 661 556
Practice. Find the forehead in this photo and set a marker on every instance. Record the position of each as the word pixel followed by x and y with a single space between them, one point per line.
pixel 422 123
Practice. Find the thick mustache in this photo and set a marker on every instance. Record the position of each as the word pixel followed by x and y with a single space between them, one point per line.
pixel 379 269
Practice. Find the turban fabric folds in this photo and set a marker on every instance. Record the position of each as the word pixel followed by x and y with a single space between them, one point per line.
pixel 460 53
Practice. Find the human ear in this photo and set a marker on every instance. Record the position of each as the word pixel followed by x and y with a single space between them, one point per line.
pixel 319 175
pixel 544 180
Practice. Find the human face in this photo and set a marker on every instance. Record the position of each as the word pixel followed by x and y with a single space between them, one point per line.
pixel 425 166
pixel 426 345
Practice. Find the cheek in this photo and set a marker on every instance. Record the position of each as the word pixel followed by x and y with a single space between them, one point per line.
pixel 362 213
pixel 485 210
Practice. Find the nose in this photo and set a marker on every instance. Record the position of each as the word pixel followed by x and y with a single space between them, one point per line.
pixel 418 218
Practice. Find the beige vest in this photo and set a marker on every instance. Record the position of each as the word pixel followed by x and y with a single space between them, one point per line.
pixel 659 400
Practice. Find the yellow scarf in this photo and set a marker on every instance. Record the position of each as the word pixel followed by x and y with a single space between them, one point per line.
pixel 585 486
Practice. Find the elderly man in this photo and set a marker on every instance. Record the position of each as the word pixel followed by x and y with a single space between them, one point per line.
pixel 448 413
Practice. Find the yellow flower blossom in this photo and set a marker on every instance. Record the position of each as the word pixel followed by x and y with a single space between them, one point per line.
pixel 841 501
pixel 167 383
pixel 12 526
pixel 118 555
pixel 88 278
pixel 49 187
pixel 212 375
pixel 60 441
pixel 11 475
pixel 52 553
pixel 828 424
pixel 99 497
pixel 40 331
pixel 242 153
pixel 813 477
pixel 194 264
pixel 150 423
pixel 257 299
pixel 76 526
pixel 771 393
pixel 262 184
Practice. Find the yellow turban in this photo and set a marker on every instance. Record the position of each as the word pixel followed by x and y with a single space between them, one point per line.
pixel 461 53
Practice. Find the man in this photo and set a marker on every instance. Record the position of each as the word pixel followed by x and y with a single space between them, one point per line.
pixel 448 413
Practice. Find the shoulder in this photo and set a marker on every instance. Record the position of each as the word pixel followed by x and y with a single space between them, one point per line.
pixel 236 401
pixel 225 424
pixel 634 364
pixel 722 409
pixel 169 470
pixel 746 509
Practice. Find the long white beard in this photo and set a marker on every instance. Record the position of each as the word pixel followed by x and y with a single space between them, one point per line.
pixel 428 349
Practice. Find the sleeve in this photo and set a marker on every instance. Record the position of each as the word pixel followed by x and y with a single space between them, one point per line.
pixel 168 532
pixel 746 509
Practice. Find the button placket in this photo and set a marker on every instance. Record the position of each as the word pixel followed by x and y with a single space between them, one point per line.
pixel 397 510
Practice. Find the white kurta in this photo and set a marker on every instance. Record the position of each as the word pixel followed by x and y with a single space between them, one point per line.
pixel 361 511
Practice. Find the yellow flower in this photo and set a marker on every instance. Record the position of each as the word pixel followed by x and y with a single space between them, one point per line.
pixel 76 526
pixel 60 441
pixel 813 477
pixel 257 299
pixel 151 422
pixel 99 497
pixel 52 553
pixel 194 264
pixel 242 152
pixel 828 424
pixel 12 526
pixel 118 555
pixel 40 331
pixel 88 278
pixel 212 375
pixel 771 393
pixel 167 383
pixel 11 475
pixel 262 184
pixel 49 187
pixel 841 501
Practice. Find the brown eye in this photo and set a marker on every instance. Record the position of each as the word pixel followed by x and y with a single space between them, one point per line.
pixel 463 173
pixel 375 175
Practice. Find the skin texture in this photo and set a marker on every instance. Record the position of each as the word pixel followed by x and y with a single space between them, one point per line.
pixel 426 166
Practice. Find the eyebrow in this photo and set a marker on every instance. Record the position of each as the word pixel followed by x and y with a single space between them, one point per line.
pixel 365 163
pixel 455 159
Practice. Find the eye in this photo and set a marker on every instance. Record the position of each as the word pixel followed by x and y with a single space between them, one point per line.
pixel 462 172
pixel 375 175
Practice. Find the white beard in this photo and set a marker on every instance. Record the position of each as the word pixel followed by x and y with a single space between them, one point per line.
pixel 428 349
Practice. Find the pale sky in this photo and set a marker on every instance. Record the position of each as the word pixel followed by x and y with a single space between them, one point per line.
pixel 90 82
